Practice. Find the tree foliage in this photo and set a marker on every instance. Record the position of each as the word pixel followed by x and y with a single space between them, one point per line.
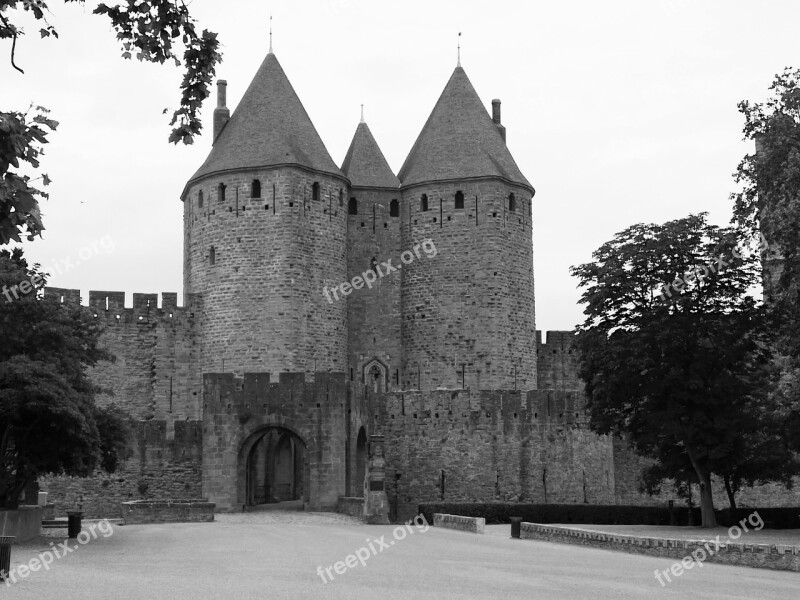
pixel 49 422
pixel 769 203
pixel 671 351
pixel 151 30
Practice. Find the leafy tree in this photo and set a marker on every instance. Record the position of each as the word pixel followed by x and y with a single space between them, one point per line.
pixel 769 201
pixel 153 31
pixel 769 204
pixel 671 352
pixel 49 422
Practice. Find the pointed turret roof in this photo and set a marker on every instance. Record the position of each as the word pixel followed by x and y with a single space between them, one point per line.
pixel 270 127
pixel 364 165
pixel 459 140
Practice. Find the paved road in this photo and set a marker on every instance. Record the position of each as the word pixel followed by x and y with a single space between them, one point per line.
pixel 263 556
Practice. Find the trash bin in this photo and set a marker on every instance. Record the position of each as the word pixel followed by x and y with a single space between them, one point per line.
pixel 515 526
pixel 5 555
pixel 74 523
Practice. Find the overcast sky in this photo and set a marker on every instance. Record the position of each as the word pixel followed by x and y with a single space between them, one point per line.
pixel 617 112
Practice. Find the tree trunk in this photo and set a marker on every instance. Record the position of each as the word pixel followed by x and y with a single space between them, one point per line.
pixel 707 502
pixel 706 496
pixel 730 492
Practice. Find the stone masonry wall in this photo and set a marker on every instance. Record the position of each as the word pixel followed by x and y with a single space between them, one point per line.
pixel 155 374
pixel 323 413
pixel 374 314
pixel 503 445
pixel 264 308
pixel 470 308
pixel 557 362
pixel 160 467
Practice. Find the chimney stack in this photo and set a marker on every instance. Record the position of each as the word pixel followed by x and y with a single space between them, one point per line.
pixel 496 118
pixel 221 114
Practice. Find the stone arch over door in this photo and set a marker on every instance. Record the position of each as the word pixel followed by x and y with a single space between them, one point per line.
pixel 273 467
pixel 376 376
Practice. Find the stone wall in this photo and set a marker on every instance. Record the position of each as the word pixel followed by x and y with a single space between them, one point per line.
pixel 780 557
pixel 351 506
pixel 468 312
pixel 628 467
pixel 24 523
pixel 166 463
pixel 138 512
pixel 463 445
pixel 322 413
pixel 557 362
pixel 155 374
pixel 470 524
pixel 264 309
pixel 373 237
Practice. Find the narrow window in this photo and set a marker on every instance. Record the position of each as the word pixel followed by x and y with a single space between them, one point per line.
pixel 315 191
pixel 459 199
pixel 423 205
pixel 221 192
pixel 352 207
pixel 512 203
pixel 255 189
pixel 341 197
pixel 200 198
pixel 212 256
pixel 394 208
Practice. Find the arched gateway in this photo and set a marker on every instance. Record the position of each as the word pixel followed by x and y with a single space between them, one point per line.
pixel 275 467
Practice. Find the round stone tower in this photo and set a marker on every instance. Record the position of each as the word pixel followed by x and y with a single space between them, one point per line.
pixel 467 308
pixel 265 222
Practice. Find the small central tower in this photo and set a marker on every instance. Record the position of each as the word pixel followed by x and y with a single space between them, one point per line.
pixel 264 232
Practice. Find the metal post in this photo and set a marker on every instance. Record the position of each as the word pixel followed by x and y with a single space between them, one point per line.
pixel 74 523
pixel 516 523
pixel 5 555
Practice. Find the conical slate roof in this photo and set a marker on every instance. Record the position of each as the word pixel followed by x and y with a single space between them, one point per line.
pixel 459 140
pixel 269 127
pixel 364 165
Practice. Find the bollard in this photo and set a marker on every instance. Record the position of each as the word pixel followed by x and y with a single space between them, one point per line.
pixel 5 555
pixel 515 526
pixel 74 523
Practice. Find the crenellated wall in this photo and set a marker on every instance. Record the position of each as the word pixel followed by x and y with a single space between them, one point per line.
pixel 507 445
pixel 156 371
pixel 325 414
pixel 557 362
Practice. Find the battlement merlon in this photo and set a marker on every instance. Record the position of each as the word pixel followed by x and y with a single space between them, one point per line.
pixel 115 301
pixel 556 340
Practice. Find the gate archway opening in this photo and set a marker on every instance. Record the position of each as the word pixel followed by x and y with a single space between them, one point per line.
pixel 275 467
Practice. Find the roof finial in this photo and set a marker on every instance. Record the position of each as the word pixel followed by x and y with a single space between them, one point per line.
pixel 459 48
pixel 362 114
pixel 270 33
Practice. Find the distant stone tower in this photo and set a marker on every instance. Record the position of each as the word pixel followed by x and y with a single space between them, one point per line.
pixel 265 230
pixel 373 237
pixel 468 314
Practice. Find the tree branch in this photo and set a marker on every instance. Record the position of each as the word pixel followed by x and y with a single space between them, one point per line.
pixel 13 43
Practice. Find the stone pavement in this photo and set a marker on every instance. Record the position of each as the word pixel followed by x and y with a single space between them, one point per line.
pixel 276 555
